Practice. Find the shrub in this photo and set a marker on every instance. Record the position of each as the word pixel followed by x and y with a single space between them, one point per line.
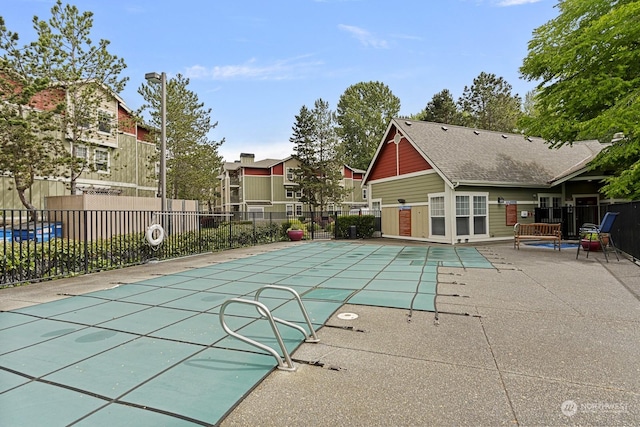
pixel 364 226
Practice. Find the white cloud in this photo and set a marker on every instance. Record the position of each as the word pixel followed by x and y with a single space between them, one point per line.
pixel 284 69
pixel 364 36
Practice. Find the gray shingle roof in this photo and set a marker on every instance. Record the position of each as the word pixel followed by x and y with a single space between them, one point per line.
pixel 465 155
pixel 260 164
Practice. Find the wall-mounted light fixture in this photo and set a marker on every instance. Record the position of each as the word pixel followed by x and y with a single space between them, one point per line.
pixel 401 201
pixel 535 196
pixel 500 199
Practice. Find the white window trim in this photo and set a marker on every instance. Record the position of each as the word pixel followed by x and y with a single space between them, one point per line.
pixel 289 171
pixel 471 215
pixel 108 162
pixel 86 151
pixel 550 196
pixel 298 210
pixel 446 228
pixel 289 209
pixel 108 113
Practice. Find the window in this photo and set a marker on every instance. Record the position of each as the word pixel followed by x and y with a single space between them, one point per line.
pixel 479 214
pixel 289 210
pixel 290 174
pixel 81 152
pixel 290 193
pixel 104 121
pixel 101 160
pixel 298 210
pixel 471 215
pixel 364 193
pixel 436 210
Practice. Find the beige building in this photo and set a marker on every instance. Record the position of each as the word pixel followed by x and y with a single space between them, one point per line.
pixel 452 184
pixel 120 151
pixel 267 186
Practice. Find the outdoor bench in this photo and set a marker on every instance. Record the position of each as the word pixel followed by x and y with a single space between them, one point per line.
pixel 537 231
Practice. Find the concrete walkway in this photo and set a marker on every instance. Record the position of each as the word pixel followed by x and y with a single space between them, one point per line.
pixel 544 339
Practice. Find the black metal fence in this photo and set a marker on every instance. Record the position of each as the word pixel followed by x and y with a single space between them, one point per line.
pixel 49 244
pixel 626 228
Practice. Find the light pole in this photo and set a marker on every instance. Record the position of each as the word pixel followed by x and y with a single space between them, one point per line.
pixel 162 79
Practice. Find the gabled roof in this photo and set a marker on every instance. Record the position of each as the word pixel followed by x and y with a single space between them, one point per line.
pixel 477 157
pixel 260 164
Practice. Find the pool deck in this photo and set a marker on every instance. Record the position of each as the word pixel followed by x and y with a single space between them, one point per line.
pixel 539 339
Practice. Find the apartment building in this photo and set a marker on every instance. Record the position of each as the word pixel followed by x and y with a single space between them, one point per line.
pixel 123 157
pixel 267 186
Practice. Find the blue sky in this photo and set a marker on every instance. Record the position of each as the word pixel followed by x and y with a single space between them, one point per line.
pixel 256 62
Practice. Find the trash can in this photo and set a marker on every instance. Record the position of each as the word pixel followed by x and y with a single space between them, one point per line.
pixel 353 232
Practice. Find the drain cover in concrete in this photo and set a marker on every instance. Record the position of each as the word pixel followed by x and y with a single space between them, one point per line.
pixel 347 316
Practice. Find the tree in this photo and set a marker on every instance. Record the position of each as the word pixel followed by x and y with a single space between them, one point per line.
pixel 587 62
pixel 315 145
pixel 441 109
pixel 488 104
pixel 363 114
pixel 27 146
pixel 193 162
pixel 87 72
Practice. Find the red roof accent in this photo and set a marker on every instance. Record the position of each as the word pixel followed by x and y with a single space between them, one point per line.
pixel 348 173
pixel 126 123
pixel 256 172
pixel 278 169
pixel 410 159
pixel 397 159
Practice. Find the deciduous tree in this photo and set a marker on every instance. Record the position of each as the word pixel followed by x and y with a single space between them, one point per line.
pixel 87 72
pixel 587 64
pixel 364 112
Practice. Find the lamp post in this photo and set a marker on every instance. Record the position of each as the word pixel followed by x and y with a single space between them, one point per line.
pixel 162 79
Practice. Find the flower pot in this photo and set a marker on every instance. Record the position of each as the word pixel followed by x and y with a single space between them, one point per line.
pixel 295 235
pixel 587 245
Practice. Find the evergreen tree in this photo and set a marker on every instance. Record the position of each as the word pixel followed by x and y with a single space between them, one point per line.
pixel 441 109
pixel 193 162
pixel 488 104
pixel 315 145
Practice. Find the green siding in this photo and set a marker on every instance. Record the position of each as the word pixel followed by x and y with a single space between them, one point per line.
pixel 278 189
pixel 413 189
pixel 256 188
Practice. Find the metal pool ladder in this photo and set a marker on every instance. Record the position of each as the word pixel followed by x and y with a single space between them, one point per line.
pixel 311 337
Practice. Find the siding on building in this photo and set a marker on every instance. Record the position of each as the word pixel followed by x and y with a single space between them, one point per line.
pixel 413 189
pixel 131 168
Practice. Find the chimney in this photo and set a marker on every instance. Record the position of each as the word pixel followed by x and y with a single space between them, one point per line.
pixel 246 158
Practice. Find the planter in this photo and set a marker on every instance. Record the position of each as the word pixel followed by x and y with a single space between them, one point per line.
pixel 587 245
pixel 295 235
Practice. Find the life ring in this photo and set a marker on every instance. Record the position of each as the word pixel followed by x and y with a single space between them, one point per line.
pixel 155 229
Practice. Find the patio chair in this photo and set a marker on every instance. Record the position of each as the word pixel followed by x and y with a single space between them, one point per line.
pixel 602 234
